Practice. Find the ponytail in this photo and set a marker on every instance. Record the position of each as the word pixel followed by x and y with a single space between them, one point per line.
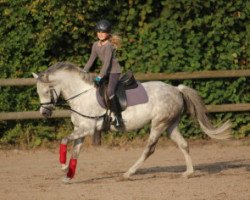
pixel 115 40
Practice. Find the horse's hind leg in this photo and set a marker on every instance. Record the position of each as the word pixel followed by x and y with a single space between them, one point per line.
pixel 176 136
pixel 149 150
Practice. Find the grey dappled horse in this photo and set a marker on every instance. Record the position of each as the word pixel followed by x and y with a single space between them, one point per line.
pixel 163 110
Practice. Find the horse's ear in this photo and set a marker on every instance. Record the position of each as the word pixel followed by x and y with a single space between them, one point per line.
pixel 35 75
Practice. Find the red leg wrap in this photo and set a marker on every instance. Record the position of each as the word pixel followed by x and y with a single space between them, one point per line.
pixel 63 153
pixel 72 168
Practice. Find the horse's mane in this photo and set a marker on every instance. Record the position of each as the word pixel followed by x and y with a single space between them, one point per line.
pixel 67 66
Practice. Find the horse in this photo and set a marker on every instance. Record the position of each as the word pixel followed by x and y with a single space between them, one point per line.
pixel 163 111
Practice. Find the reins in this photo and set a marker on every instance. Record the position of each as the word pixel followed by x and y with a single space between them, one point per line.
pixel 77 94
pixel 63 103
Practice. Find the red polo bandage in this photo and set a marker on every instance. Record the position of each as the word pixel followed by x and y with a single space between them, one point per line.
pixel 63 153
pixel 72 168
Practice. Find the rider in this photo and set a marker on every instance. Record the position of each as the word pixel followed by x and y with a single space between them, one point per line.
pixel 105 49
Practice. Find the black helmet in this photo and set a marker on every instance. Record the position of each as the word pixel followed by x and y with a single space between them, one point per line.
pixel 103 26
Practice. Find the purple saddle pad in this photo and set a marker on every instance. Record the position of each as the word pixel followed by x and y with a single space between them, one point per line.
pixel 134 96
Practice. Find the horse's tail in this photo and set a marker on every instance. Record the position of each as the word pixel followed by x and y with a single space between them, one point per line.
pixel 196 107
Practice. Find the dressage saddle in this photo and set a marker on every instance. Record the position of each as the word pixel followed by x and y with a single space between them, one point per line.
pixel 126 82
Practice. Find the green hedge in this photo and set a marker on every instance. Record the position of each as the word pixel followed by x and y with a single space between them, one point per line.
pixel 158 36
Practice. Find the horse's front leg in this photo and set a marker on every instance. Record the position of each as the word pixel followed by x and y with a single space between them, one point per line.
pixel 71 168
pixel 78 137
pixel 63 154
pixel 76 134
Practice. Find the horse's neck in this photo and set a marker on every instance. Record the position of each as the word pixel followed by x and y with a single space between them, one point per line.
pixel 74 85
pixel 81 96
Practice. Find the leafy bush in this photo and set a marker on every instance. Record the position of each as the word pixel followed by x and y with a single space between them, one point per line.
pixel 158 36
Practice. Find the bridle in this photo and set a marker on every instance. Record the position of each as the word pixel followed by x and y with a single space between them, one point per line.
pixel 53 101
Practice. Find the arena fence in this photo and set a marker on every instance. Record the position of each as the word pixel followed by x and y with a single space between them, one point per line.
pixel 4 116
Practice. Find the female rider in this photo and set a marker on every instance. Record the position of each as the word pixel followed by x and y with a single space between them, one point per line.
pixel 105 49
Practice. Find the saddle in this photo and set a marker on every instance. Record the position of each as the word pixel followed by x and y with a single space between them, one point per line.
pixel 126 82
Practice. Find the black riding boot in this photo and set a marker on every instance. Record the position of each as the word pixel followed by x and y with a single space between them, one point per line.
pixel 116 109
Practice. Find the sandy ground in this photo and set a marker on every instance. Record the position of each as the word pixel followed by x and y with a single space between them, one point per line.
pixel 222 173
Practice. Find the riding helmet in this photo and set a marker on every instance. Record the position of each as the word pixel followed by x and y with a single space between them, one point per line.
pixel 103 26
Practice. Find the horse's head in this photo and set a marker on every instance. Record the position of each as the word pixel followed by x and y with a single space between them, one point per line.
pixel 48 92
pixel 62 77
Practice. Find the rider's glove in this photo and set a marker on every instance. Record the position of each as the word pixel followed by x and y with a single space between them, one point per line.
pixel 98 79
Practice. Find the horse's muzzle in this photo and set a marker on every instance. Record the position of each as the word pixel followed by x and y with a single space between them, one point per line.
pixel 46 111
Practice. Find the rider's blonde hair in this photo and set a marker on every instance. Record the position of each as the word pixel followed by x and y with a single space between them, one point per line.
pixel 115 40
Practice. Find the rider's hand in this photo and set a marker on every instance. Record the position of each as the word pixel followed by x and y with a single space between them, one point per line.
pixel 98 79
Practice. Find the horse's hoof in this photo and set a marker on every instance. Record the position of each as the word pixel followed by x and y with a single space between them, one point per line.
pixel 66 180
pixel 123 178
pixel 126 176
pixel 65 168
pixel 187 174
